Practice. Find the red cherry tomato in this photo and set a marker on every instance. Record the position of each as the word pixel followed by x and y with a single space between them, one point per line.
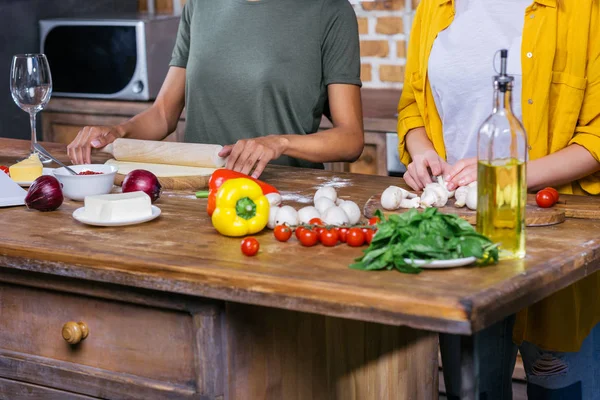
pixel 250 246
pixel 369 235
pixel 316 221
pixel 343 234
pixel 329 237
pixel 318 229
pixel 298 231
pixel 356 237
pixel 554 193
pixel 308 238
pixel 544 198
pixel 4 169
pixel 374 221
pixel 283 233
pixel 365 230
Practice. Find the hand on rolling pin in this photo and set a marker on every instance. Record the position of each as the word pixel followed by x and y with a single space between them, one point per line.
pixel 79 150
pixel 248 154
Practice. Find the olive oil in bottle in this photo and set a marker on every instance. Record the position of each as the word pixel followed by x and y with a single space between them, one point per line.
pixel 501 173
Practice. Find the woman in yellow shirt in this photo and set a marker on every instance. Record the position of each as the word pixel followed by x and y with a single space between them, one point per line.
pixel 555 48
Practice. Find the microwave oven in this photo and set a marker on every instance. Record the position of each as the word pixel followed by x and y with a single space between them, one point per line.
pixel 119 58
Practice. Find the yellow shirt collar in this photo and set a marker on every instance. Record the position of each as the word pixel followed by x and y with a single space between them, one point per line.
pixel 549 3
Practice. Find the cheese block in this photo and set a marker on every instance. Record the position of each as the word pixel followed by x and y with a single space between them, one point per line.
pixel 118 207
pixel 27 170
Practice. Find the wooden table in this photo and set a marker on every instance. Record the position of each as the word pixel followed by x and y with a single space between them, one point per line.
pixel 175 310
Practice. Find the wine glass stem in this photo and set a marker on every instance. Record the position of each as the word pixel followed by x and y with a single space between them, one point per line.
pixel 33 131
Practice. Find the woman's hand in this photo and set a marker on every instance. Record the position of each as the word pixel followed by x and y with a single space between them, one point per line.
pixel 248 154
pixel 424 165
pixel 89 137
pixel 462 173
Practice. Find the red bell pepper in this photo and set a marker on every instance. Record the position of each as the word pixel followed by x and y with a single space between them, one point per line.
pixel 219 177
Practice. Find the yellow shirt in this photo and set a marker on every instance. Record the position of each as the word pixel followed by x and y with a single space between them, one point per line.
pixel 560 63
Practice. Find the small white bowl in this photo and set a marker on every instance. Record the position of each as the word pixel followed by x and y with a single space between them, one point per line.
pixel 76 187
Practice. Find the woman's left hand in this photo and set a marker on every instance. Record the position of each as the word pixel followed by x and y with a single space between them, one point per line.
pixel 248 154
pixel 462 173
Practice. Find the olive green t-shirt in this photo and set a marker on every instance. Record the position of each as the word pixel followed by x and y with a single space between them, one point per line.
pixel 256 68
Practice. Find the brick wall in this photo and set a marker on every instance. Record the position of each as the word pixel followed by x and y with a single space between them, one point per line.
pixel 384 26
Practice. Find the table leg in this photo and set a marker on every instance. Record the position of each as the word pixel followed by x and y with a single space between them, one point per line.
pixel 279 354
pixel 469 368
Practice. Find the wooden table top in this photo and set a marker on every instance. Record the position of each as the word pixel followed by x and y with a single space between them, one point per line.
pixel 180 252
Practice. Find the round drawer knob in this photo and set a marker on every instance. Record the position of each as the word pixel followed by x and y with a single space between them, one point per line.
pixel 75 332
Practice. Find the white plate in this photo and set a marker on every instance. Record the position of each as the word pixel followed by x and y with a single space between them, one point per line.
pixel 80 216
pixel 456 262
pixel 45 171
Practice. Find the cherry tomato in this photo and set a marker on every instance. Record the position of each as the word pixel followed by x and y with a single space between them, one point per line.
pixel 4 169
pixel 374 221
pixel 369 235
pixel 283 233
pixel 554 193
pixel 308 238
pixel 356 237
pixel 329 237
pixel 299 231
pixel 544 198
pixel 365 230
pixel 318 229
pixel 316 221
pixel 343 234
pixel 250 246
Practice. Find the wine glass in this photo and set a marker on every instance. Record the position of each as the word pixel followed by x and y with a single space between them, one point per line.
pixel 31 87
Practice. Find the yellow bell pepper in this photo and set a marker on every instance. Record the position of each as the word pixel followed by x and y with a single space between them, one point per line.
pixel 241 208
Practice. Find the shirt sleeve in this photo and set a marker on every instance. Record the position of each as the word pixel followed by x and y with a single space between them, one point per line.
pixel 409 115
pixel 587 132
pixel 340 47
pixel 181 50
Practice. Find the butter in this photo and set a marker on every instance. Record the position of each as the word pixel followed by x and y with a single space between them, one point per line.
pixel 118 207
pixel 27 170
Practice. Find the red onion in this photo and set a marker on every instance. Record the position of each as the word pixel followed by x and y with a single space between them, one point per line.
pixel 142 180
pixel 45 194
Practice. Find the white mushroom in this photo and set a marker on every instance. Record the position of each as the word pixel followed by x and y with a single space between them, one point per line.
pixel 323 203
pixel 434 195
pixel 392 197
pixel 272 217
pixel 335 216
pixel 286 215
pixel 328 192
pixel 472 196
pixel 444 184
pixel 415 202
pixel 352 211
pixel 307 213
pixel 461 196
pixel 274 199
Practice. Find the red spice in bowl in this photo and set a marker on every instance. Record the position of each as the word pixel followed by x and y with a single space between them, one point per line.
pixel 88 172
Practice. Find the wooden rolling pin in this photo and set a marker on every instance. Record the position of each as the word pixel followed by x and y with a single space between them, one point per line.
pixel 148 151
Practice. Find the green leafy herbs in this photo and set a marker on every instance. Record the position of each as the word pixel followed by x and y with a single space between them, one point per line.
pixel 428 235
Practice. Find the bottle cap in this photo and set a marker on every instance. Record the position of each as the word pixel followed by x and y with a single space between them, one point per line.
pixel 503 81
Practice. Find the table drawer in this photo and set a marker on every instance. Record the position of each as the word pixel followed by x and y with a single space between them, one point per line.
pixel 149 347
pixel 12 390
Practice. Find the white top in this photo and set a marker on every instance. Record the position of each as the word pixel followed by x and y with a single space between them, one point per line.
pixel 461 68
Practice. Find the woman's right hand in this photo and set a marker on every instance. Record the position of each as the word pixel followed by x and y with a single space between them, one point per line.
pixel 89 137
pixel 424 165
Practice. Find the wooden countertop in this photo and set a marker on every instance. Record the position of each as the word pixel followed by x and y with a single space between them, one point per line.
pixel 379 108
pixel 180 252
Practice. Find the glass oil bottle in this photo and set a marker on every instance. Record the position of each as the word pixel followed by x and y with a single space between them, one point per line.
pixel 501 172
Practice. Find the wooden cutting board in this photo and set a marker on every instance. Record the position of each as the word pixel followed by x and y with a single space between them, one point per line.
pixel 535 216
pixel 174 177
pixel 587 207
